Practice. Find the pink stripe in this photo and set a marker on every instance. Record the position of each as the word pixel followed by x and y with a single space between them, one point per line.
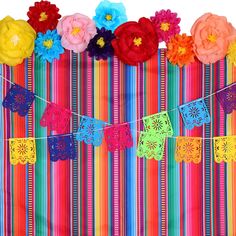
pixel 90 149
pixel 116 156
pixel 222 223
pixel 188 167
pixel 164 175
pixel 55 166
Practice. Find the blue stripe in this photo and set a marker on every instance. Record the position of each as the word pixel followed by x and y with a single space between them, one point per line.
pixel 130 154
pixel 27 167
pixel 207 159
pixel 2 160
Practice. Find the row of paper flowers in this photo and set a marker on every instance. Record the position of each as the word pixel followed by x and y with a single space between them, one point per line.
pixel 212 36
pixel 119 136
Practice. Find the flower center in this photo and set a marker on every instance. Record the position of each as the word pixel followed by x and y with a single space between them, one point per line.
pixel 48 43
pixel 212 38
pixel 75 31
pixel 15 39
pixel 181 50
pixel 101 42
pixel 108 17
pixel 137 41
pixel 165 26
pixel 43 16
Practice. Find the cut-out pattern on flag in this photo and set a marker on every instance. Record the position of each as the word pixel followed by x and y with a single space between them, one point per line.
pixel 55 117
pixel 18 99
pixel 22 150
pixel 151 146
pixel 90 131
pixel 227 99
pixel 188 149
pixel 158 124
pixel 61 147
pixel 225 149
pixel 118 137
pixel 195 114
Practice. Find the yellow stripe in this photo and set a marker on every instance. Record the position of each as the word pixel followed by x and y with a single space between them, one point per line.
pixel 97 152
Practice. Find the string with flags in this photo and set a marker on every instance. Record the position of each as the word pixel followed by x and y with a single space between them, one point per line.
pixel 151 144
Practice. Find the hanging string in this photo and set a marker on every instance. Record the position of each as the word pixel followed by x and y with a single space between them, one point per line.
pixel 129 122
pixel 63 135
pixel 133 121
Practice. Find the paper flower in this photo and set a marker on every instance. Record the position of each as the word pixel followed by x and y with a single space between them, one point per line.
pixel 48 46
pixel 212 35
pixel 180 50
pixel 76 31
pixel 100 46
pixel 110 15
pixel 166 24
pixel 231 53
pixel 16 41
pixel 43 16
pixel 135 41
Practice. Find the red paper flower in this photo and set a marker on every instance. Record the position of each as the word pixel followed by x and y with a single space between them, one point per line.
pixel 43 16
pixel 135 41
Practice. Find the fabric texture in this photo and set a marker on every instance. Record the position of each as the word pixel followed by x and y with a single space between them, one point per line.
pixel 117 193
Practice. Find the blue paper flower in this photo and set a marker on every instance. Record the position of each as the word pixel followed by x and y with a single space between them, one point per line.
pixel 110 15
pixel 48 46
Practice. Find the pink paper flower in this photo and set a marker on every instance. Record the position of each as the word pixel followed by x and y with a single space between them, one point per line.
pixel 212 35
pixel 76 31
pixel 166 24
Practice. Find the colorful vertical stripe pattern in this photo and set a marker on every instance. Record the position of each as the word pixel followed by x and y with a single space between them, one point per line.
pixel 103 193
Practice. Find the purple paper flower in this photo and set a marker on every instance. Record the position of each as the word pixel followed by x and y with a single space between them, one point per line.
pixel 100 45
pixel 166 24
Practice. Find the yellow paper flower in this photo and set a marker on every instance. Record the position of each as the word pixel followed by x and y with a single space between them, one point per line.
pixel 16 41
pixel 232 53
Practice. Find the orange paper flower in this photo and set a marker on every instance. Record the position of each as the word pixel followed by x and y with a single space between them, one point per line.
pixel 180 50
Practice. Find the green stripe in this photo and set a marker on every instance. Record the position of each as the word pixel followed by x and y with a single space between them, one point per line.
pixel 41 163
pixel 173 167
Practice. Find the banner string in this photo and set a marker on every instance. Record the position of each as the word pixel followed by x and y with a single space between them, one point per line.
pixel 63 135
pixel 129 122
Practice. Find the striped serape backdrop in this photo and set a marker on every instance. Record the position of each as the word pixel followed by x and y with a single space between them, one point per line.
pixel 103 193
